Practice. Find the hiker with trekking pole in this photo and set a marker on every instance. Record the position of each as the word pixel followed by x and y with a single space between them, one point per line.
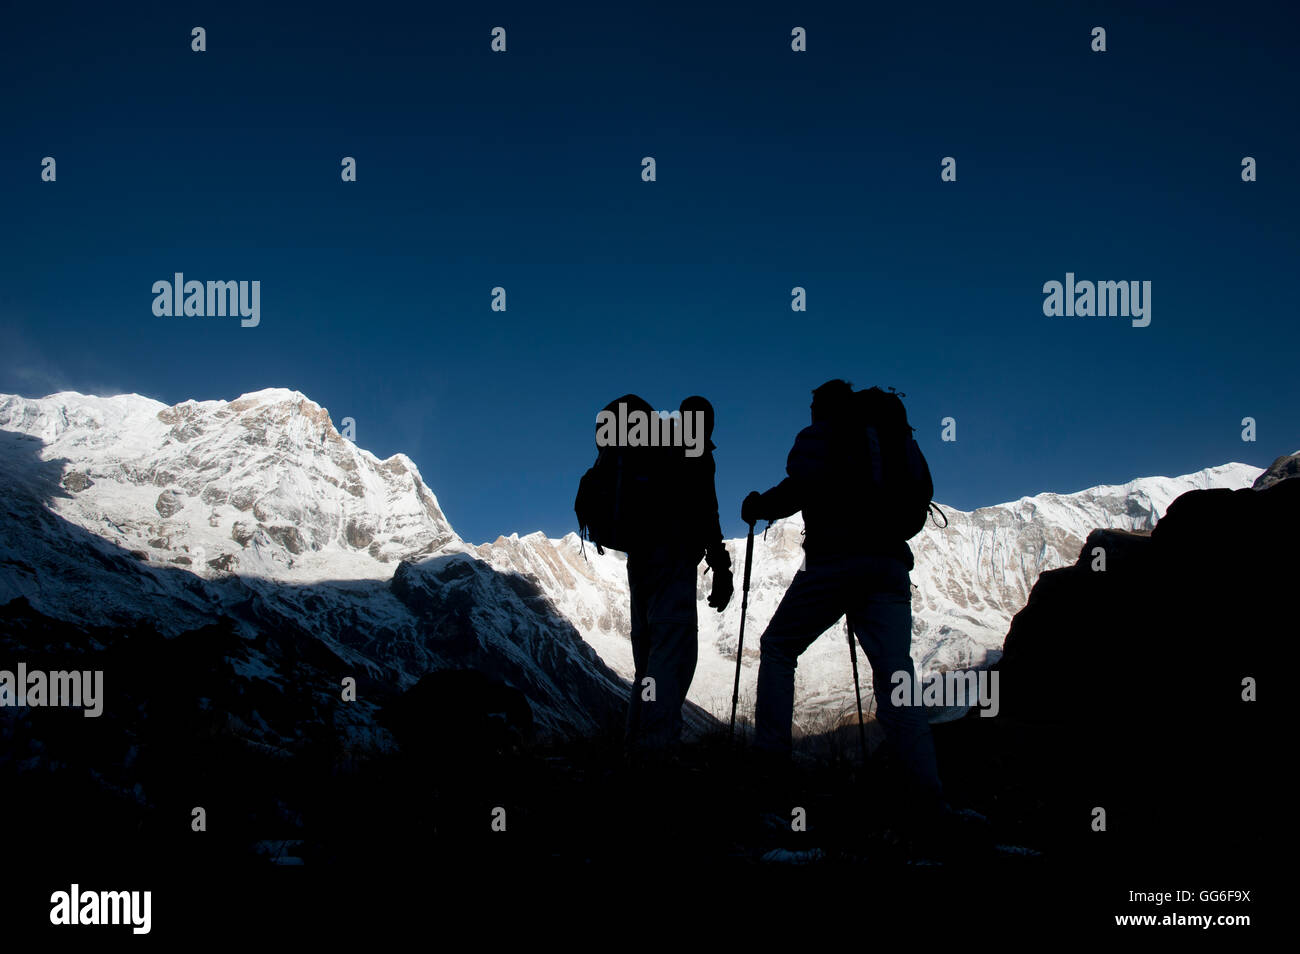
pixel 651 495
pixel 865 489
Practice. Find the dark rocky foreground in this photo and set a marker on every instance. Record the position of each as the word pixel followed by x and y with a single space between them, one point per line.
pixel 1183 625
pixel 274 766
pixel 1122 689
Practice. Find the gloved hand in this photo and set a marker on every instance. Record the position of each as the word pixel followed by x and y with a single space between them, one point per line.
pixel 717 556
pixel 722 589
pixel 750 507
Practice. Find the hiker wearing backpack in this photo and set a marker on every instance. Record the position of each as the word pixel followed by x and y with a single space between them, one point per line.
pixel 658 504
pixel 864 489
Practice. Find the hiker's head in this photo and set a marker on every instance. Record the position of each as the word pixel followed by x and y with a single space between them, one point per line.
pixel 699 405
pixel 696 424
pixel 832 402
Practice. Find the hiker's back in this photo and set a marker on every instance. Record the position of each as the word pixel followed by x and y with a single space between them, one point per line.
pixel 865 486
pixel 827 461
pixel 622 495
pixel 897 488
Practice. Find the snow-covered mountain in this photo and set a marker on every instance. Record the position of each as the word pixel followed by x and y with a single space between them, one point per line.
pixel 122 507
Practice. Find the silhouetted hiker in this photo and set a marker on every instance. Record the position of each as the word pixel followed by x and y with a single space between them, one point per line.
pixel 651 494
pixel 859 508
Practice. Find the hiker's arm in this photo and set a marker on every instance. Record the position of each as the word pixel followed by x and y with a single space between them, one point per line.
pixel 805 467
pixel 715 553
pixel 781 501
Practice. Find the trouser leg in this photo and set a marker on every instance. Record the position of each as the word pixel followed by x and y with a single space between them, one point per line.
pixel 638 586
pixel 810 606
pixel 881 618
pixel 668 643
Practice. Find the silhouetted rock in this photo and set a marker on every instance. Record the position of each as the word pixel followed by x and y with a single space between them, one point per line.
pixel 1143 666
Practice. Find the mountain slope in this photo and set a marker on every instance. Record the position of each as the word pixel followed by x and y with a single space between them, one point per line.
pixel 125 509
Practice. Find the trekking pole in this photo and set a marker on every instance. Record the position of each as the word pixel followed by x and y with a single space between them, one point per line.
pixel 857 691
pixel 740 645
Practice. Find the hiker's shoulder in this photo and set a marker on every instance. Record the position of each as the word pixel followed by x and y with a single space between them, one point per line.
pixel 814 435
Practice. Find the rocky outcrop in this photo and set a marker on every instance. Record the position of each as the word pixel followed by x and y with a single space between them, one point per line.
pixel 1154 654
pixel 457 600
pixel 1192 605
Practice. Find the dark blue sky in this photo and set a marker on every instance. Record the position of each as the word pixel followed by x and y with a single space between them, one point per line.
pixel 775 169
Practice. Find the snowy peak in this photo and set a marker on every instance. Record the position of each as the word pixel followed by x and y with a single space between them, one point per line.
pixel 1283 468
pixel 94 418
pixel 262 485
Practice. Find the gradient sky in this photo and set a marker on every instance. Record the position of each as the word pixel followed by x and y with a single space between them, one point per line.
pixel 775 169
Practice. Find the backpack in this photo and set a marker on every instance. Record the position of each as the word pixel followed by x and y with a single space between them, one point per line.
pixel 899 487
pixel 618 497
